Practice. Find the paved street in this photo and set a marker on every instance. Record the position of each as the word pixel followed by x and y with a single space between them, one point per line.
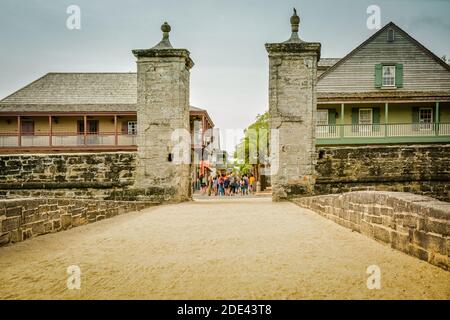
pixel 215 249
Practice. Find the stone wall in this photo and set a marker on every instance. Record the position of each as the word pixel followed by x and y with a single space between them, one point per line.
pixel 73 170
pixel 420 169
pixel 72 175
pixel 416 225
pixel 107 176
pixel 21 219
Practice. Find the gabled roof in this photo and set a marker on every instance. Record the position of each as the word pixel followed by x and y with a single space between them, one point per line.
pixel 389 25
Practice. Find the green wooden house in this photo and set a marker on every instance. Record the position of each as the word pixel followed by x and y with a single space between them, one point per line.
pixel 390 89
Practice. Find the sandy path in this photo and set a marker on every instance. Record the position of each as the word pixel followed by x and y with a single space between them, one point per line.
pixel 235 249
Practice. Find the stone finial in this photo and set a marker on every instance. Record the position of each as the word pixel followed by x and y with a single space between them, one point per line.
pixel 295 23
pixel 165 43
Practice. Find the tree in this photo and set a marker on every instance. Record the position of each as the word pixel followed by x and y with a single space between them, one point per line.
pixel 248 156
pixel 444 58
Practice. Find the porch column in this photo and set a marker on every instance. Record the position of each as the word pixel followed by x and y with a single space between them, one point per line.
pixel 436 125
pixel 386 118
pixel 50 129
pixel 342 122
pixel 116 137
pixel 19 131
pixel 85 129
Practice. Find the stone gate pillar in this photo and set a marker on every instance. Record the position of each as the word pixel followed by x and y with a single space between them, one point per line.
pixel 292 111
pixel 163 121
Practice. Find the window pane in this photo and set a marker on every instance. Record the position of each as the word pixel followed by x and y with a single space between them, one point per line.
pixel 132 127
pixel 426 118
pixel 365 116
pixel 322 117
pixel 388 76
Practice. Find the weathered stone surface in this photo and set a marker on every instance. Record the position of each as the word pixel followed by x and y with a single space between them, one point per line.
pixel 163 118
pixel 65 214
pixel 420 169
pixel 292 113
pixel 86 175
pixel 406 221
pixel 5 238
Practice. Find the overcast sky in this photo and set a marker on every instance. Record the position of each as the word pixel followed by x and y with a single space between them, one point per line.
pixel 225 37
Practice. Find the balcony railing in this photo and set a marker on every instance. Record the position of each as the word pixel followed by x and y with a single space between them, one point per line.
pixel 383 133
pixel 66 139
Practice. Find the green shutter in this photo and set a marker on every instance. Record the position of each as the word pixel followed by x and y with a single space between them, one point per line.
pixel 355 119
pixel 376 119
pixel 399 75
pixel 332 120
pixel 415 118
pixel 331 116
pixel 378 70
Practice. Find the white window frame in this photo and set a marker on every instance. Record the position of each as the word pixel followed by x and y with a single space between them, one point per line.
pixel 365 127
pixel 130 130
pixel 393 78
pixel 323 128
pixel 426 126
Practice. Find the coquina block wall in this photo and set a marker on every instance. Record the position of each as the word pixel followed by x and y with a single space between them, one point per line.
pixel 86 175
pixel 107 176
pixel 21 219
pixel 420 169
pixel 416 225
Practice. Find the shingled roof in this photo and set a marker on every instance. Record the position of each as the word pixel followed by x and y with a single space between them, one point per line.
pixel 77 92
pixel 327 62
pixel 78 88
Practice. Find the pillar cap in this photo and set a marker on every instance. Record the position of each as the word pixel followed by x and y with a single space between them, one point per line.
pixel 165 42
pixel 295 23
pixel 294 44
pixel 164 49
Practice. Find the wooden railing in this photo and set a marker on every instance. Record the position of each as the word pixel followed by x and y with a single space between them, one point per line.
pixel 383 133
pixel 66 139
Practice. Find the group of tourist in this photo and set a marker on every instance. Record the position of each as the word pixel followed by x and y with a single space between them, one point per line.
pixel 228 185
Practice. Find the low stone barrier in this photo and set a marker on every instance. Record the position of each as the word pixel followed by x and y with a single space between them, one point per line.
pixel 21 219
pixel 416 225
pixel 421 169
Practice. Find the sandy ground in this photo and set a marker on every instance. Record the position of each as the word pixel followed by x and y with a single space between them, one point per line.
pixel 216 249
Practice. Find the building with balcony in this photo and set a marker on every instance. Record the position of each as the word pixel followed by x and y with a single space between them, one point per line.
pixel 390 89
pixel 69 112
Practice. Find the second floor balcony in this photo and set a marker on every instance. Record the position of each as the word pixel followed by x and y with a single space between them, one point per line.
pixel 382 133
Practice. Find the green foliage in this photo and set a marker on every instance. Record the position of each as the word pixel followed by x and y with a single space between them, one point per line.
pixel 251 141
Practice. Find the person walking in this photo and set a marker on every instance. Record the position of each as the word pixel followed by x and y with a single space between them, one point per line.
pixel 216 185
pixel 226 185
pixel 210 185
pixel 252 183
pixel 245 185
pixel 238 185
pixel 221 185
